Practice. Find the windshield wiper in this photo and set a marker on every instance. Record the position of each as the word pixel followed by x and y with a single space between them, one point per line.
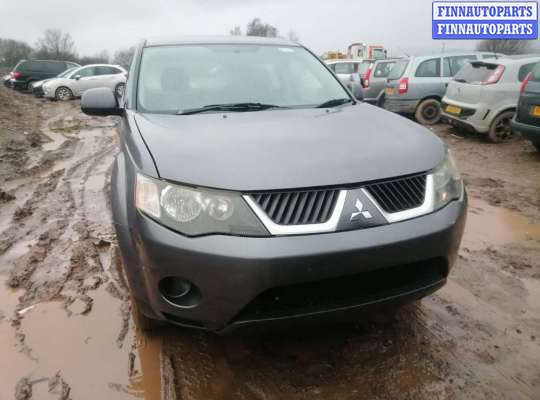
pixel 460 80
pixel 334 102
pixel 236 107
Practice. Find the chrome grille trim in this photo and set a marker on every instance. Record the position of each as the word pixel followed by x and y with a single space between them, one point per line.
pixel 276 229
pixel 425 208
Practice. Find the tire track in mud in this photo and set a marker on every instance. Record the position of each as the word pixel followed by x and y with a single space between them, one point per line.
pixel 66 229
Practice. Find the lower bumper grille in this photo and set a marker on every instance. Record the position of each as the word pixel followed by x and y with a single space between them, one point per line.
pixel 344 291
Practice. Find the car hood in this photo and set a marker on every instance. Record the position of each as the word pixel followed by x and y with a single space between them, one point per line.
pixel 285 149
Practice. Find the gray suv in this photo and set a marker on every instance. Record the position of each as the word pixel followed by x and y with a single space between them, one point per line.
pixel 416 85
pixel 374 81
pixel 251 187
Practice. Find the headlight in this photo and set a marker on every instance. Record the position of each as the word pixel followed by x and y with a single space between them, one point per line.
pixel 447 182
pixel 196 211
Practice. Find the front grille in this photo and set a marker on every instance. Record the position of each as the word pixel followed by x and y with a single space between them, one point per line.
pixel 399 194
pixel 334 293
pixel 297 208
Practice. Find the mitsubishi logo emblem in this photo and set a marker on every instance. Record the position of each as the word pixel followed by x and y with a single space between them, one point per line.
pixel 359 206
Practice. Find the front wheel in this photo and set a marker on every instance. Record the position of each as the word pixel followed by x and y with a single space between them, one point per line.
pixel 428 112
pixel 63 94
pixel 500 129
pixel 119 90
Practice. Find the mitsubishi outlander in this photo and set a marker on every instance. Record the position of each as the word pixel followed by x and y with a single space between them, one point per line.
pixel 252 187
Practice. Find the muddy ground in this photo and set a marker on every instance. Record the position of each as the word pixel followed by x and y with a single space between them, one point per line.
pixel 66 330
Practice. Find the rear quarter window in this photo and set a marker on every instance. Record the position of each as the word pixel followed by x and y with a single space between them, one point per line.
pixel 398 70
pixel 429 68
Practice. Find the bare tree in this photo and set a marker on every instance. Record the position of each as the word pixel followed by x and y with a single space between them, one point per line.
pixel 236 31
pixel 12 51
pixel 56 45
pixel 124 57
pixel 257 28
pixel 100 58
pixel 507 47
pixel 293 36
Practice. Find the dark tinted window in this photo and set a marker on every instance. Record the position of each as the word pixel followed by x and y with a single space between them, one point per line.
pixel 429 68
pixel 31 66
pixel 524 70
pixel 453 64
pixel 382 70
pixel 53 67
pixel 398 70
pixel 475 73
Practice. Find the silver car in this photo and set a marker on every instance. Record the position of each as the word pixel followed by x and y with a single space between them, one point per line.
pixel 374 81
pixel 350 71
pixel 88 77
pixel 484 95
pixel 416 85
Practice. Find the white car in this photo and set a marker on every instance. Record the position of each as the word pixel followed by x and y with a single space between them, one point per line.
pixel 81 79
pixel 350 71
pixel 483 95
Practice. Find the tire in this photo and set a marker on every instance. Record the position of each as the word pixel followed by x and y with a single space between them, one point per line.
pixel 428 112
pixel 500 129
pixel 63 94
pixel 119 90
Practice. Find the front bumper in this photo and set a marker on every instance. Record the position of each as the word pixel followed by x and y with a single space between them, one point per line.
pixel 529 132
pixel 246 280
pixel 400 106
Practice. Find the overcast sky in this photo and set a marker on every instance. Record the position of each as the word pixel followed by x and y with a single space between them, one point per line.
pixel 403 26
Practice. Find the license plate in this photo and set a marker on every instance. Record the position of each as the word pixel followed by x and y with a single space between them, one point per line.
pixel 389 91
pixel 536 111
pixel 453 110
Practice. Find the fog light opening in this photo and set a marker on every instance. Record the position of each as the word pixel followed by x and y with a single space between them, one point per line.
pixel 179 292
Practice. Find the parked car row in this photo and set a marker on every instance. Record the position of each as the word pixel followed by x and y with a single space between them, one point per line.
pixel 63 80
pixel 477 91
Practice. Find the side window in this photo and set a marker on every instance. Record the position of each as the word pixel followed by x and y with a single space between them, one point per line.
pixel 493 55
pixel 344 68
pixel 382 70
pixel 332 67
pixel 524 70
pixel 429 68
pixel 90 71
pixel 107 71
pixel 33 66
pixel 54 67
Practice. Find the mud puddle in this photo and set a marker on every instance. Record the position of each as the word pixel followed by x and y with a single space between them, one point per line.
pixel 497 226
pixel 64 343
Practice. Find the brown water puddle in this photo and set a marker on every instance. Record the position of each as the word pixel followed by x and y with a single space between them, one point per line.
pixel 496 226
pixel 82 348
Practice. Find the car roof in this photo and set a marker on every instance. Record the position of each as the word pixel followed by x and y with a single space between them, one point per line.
pixel 102 65
pixel 230 39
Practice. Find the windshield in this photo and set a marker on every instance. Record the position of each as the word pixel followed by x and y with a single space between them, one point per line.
pixel 183 77
pixel 66 72
pixel 475 73
pixel 398 70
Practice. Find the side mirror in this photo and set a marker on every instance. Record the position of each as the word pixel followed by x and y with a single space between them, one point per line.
pixel 77 77
pixel 358 93
pixel 100 102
